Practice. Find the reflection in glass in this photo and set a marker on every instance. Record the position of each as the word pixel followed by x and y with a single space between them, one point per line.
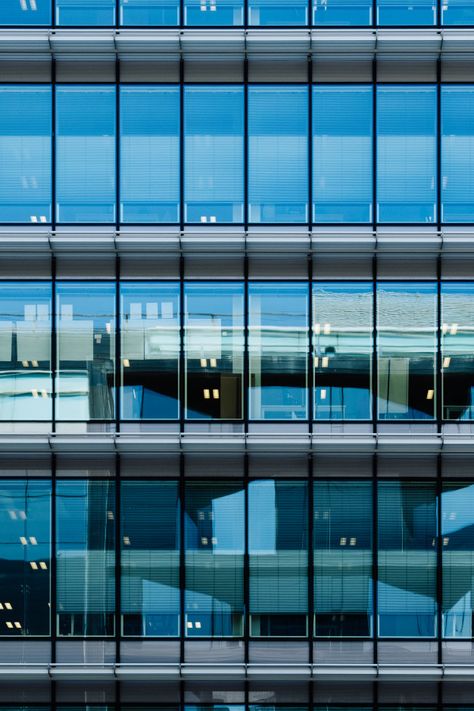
pixel 25 551
pixel 278 351
pixel 278 12
pixel 214 12
pixel 406 315
pixel 150 558
pixel 343 12
pixel 457 12
pixel 278 153
pixel 457 350
pixel 457 148
pixel 342 150
pixel 149 12
pixel 214 348
pixel 406 153
pixel 25 154
pixel 149 153
pixel 85 323
pixel 343 558
pixel 85 557
pixel 85 12
pixel 25 351
pixel 278 558
pixel 342 350
pixel 215 544
pixel 26 12
pixel 407 559
pixel 406 12
pixel 149 323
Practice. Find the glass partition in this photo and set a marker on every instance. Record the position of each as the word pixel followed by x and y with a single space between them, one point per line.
pixel 457 350
pixel 457 147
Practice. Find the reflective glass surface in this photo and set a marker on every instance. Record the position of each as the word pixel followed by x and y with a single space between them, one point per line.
pixel 85 12
pixel 25 12
pixel 149 12
pixel 457 350
pixel 278 12
pixel 406 12
pixel 457 148
pixel 343 12
pixel 214 12
pixel 457 12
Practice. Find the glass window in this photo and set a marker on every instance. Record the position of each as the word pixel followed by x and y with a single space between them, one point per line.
pixel 457 149
pixel 85 565
pixel 85 12
pixel 149 153
pixel 457 346
pixel 342 154
pixel 150 338
pixel 25 154
pixel 343 12
pixel 150 558
pixel 278 12
pixel 457 12
pixel 278 351
pixel 25 541
pixel 215 544
pixel 406 336
pixel 407 559
pixel 214 12
pixel 214 347
pixel 85 323
pixel 149 12
pixel 458 559
pixel 343 558
pixel 406 12
pixel 343 347
pixel 278 558
pixel 85 153
pixel 214 154
pixel 25 351
pixel 278 154
pixel 25 12
pixel 406 154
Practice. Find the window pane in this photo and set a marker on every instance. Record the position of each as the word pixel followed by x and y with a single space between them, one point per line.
pixel 343 343
pixel 85 324
pixel 149 350
pixel 457 340
pixel 406 315
pixel 407 559
pixel 25 542
pixel 278 351
pixel 458 559
pixel 85 554
pixel 214 346
pixel 215 544
pixel 342 154
pixel 25 351
pixel 150 558
pixel 406 153
pixel 343 558
pixel 85 12
pixel 457 12
pixel 343 12
pixel 85 148
pixel 406 12
pixel 149 12
pixel 457 148
pixel 149 154
pixel 278 558
pixel 214 12
pixel 278 12
pixel 28 12
pixel 214 154
pixel 278 154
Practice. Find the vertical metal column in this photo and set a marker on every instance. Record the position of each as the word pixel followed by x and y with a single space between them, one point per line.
pixel 118 559
pixel 182 560
pixel 439 557
pixel 375 556
pixel 54 603
pixel 311 603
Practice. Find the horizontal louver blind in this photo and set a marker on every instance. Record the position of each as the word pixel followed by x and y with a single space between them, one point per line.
pixel 457 153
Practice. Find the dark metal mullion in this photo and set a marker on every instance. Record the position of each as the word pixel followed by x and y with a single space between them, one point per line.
pixel 439 216
pixel 118 350
pixel 375 557
pixel 117 145
pixel 53 567
pixel 374 13
pixel 246 144
pixel 53 143
pixel 181 145
pixel 311 597
pixel 374 145
pixel 439 558
pixel 118 559
pixel 246 562
pixel 53 342
pixel 438 384
pixel 374 376
pixel 182 560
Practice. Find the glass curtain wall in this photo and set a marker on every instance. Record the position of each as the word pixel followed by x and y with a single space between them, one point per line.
pixel 457 350
pixel 85 12
pixel 406 12
pixel 343 13
pixel 149 12
pixel 25 12
pixel 213 12
pixel 278 12
pixel 457 147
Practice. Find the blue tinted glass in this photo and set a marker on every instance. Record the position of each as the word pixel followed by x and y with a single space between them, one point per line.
pixel 85 12
pixel 457 135
pixel 25 154
pixel 342 153
pixel 278 12
pixel 25 12
pixel 278 154
pixel 214 154
pixel 457 12
pixel 149 12
pixel 85 151
pixel 149 154
pixel 457 350
pixel 406 154
pixel 343 12
pixel 214 12
pixel 406 12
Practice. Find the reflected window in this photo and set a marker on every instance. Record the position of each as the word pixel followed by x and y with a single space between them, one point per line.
pixel 342 350
pixel 278 12
pixel 25 351
pixel 278 558
pixel 85 558
pixel 215 544
pixel 25 12
pixel 149 350
pixel 25 154
pixel 85 323
pixel 457 148
pixel 407 559
pixel 85 12
pixel 214 350
pixel 149 12
pixel 343 12
pixel 457 12
pixel 25 550
pixel 406 323
pixel 406 12
pixel 457 350
pixel 214 12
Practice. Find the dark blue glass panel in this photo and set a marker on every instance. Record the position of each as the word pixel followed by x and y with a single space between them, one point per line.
pixel 85 153
pixel 149 153
pixel 406 154
pixel 25 12
pixel 214 12
pixel 278 154
pixel 85 12
pixel 214 154
pixel 149 12
pixel 457 12
pixel 278 12
pixel 406 12
pixel 457 350
pixel 342 154
pixel 457 149
pixel 25 154
pixel 343 12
